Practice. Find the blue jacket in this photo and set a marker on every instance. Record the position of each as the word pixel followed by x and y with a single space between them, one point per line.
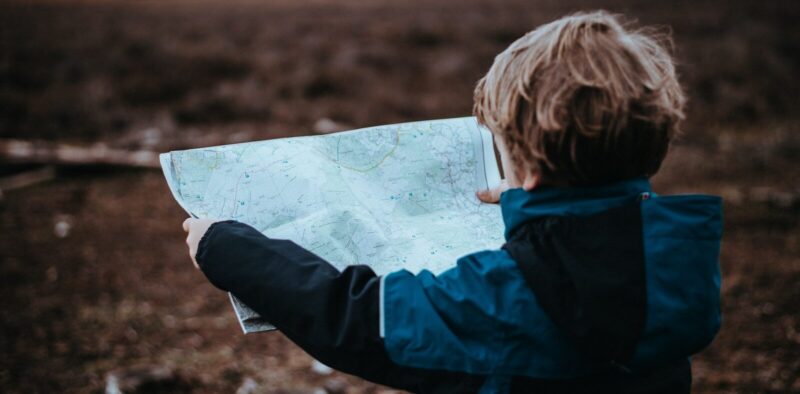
pixel 597 288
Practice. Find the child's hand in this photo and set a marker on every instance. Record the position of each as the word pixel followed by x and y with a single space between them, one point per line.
pixel 196 229
pixel 492 196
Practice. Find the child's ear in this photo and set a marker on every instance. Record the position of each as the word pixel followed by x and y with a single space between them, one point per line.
pixel 530 182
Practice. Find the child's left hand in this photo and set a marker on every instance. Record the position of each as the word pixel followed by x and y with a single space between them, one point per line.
pixel 196 229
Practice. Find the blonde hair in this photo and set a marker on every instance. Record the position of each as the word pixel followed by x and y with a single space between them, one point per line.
pixel 584 100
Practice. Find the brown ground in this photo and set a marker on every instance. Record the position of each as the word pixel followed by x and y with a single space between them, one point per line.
pixel 118 291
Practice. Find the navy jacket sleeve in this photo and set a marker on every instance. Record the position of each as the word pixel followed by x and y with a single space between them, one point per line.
pixel 332 315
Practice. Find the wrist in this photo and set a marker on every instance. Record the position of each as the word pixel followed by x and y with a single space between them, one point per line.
pixel 207 239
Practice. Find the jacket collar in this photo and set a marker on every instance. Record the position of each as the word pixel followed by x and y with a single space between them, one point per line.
pixel 519 206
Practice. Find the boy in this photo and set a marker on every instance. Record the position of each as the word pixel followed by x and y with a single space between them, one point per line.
pixel 602 286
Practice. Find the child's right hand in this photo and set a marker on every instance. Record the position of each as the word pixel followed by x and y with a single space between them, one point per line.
pixel 492 196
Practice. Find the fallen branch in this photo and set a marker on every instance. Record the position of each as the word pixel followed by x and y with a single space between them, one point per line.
pixel 27 178
pixel 29 152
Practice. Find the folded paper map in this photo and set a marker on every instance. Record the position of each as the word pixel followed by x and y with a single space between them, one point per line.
pixel 391 197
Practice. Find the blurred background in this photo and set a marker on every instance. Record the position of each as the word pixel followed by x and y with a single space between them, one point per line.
pixel 96 289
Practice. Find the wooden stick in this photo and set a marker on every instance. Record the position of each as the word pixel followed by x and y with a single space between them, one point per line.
pixel 28 152
pixel 27 178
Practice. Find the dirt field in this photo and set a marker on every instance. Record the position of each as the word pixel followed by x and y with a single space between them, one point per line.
pixel 94 275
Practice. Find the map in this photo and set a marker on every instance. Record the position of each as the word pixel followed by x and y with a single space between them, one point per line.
pixel 392 197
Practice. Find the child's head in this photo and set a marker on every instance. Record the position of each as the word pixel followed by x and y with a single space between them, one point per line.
pixel 583 100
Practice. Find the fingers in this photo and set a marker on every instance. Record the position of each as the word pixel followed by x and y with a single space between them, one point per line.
pixel 489 196
pixel 191 242
pixel 187 225
pixel 492 196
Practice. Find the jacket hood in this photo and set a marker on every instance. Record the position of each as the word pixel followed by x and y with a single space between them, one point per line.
pixel 674 239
